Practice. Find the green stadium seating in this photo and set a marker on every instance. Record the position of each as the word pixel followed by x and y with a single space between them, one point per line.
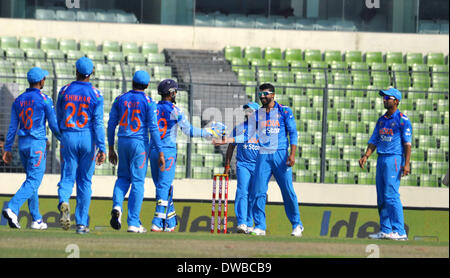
pixel 27 42
pixel 414 58
pixel 374 57
pixel 424 104
pixel 129 47
pixel 432 117
pixel 279 65
pixel 74 54
pixel 149 47
pixel 377 68
pixel 259 63
pixel 382 81
pixel 439 70
pixel 88 45
pixel 342 79
pixel 14 53
pixel 353 56
pixel 346 178
pixel 252 52
pixel 420 167
pixel 135 58
pixel 35 54
pixel 298 66
pixel 48 43
pixel 292 54
pixel 312 124
pixel 340 102
pixel 342 139
pixel 440 130
pixel 319 67
pixel 394 58
pixel 67 44
pixel 336 165
pixel 332 56
pixel 442 103
pixel 264 76
pixel 232 52
pixel 246 75
pixel 338 66
pixel 349 115
pixel 9 42
pixel 355 127
pixel 96 56
pixel 366 178
pixel 360 81
pixel 402 81
pixel 272 53
pixel 157 58
pixel 435 155
pixel 425 142
pixel 332 152
pixel 400 69
pixel 304 176
pixel 303 78
pixel 361 103
pixel 409 180
pixel 443 142
pixel 418 155
pixel 110 46
pixel 285 77
pixel 428 180
pixel 313 55
pixel 439 168
pixel 309 151
pixel 435 58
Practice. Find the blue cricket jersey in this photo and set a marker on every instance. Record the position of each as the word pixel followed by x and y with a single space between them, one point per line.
pixel 247 151
pixel 169 118
pixel 272 129
pixel 29 112
pixel 391 133
pixel 80 108
pixel 135 113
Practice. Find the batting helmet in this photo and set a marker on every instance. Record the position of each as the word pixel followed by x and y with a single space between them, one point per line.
pixel 167 86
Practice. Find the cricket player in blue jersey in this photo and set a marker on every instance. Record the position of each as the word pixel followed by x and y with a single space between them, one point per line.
pixel 135 113
pixel 79 111
pixel 29 112
pixel 246 155
pixel 169 118
pixel 392 140
pixel 273 124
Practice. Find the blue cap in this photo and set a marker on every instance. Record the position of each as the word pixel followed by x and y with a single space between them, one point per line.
pixel 253 105
pixel 391 92
pixel 85 66
pixel 141 77
pixel 36 74
pixel 165 85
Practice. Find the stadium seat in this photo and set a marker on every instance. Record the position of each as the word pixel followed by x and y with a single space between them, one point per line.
pixel 259 63
pixel 353 56
pixel 346 178
pixel 157 58
pixel 319 66
pixel 442 103
pixel 418 155
pixel 420 167
pixel 426 142
pixel 272 53
pixel 67 15
pixel 74 54
pixel 129 18
pixel 382 81
pixel 110 46
pixel 336 165
pixel 55 54
pixel 85 16
pixel 9 42
pixel 373 57
pixel 292 54
pixel 338 66
pixel 232 52
pixel 35 54
pixel 129 47
pixel 409 180
pixel 149 47
pixel 279 65
pixel 104 16
pixel 343 139
pixel 400 69
pixel 428 181
pixel 27 42
pixel 96 56
pixel 366 178
pixel 377 68
pixel 298 66
pixel 14 53
pixel 252 52
pixel 264 76
pixel 284 77
pixel 414 58
pixel 435 59
pixel 309 151
pixel 87 45
pixel 332 56
pixel 312 124
pixel 246 75
pixel 333 153
pixel 424 104
pixel 48 43
pixel 394 58
pixel 294 89
pixel 312 55
pixel 304 176
pixel 135 58
pixel 343 79
pixel 435 155
pixel 402 81
pixel 439 70
pixel 443 142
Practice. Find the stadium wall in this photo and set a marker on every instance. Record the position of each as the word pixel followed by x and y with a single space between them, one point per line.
pixel 201 190
pixel 215 38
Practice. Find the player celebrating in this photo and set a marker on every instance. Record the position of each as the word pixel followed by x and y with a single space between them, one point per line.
pixel 169 118
pixel 80 116
pixel 135 113
pixel 273 124
pixel 245 167
pixel 392 139
pixel 28 115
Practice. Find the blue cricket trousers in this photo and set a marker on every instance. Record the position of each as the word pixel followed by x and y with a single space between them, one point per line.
pixel 242 204
pixel 390 208
pixel 266 165
pixel 165 210
pixel 133 162
pixel 33 156
pixel 77 165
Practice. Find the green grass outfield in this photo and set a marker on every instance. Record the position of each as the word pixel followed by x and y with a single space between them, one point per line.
pixel 108 243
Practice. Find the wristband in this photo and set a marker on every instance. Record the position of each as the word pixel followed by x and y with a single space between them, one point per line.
pixel 227 166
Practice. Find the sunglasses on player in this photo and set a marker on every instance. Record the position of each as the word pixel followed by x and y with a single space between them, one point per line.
pixel 388 97
pixel 264 93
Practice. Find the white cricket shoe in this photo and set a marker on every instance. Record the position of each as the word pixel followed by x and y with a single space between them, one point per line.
pixel 64 211
pixel 156 228
pixel 134 229
pixel 297 231
pixel 12 218
pixel 242 229
pixel 249 230
pixel 116 218
pixel 379 235
pixel 169 229
pixel 396 236
pixel 258 232
pixel 39 225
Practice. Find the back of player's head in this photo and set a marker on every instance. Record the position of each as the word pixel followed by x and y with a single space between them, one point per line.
pixel 266 86
pixel 141 79
pixel 167 86
pixel 84 67
pixel 36 75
